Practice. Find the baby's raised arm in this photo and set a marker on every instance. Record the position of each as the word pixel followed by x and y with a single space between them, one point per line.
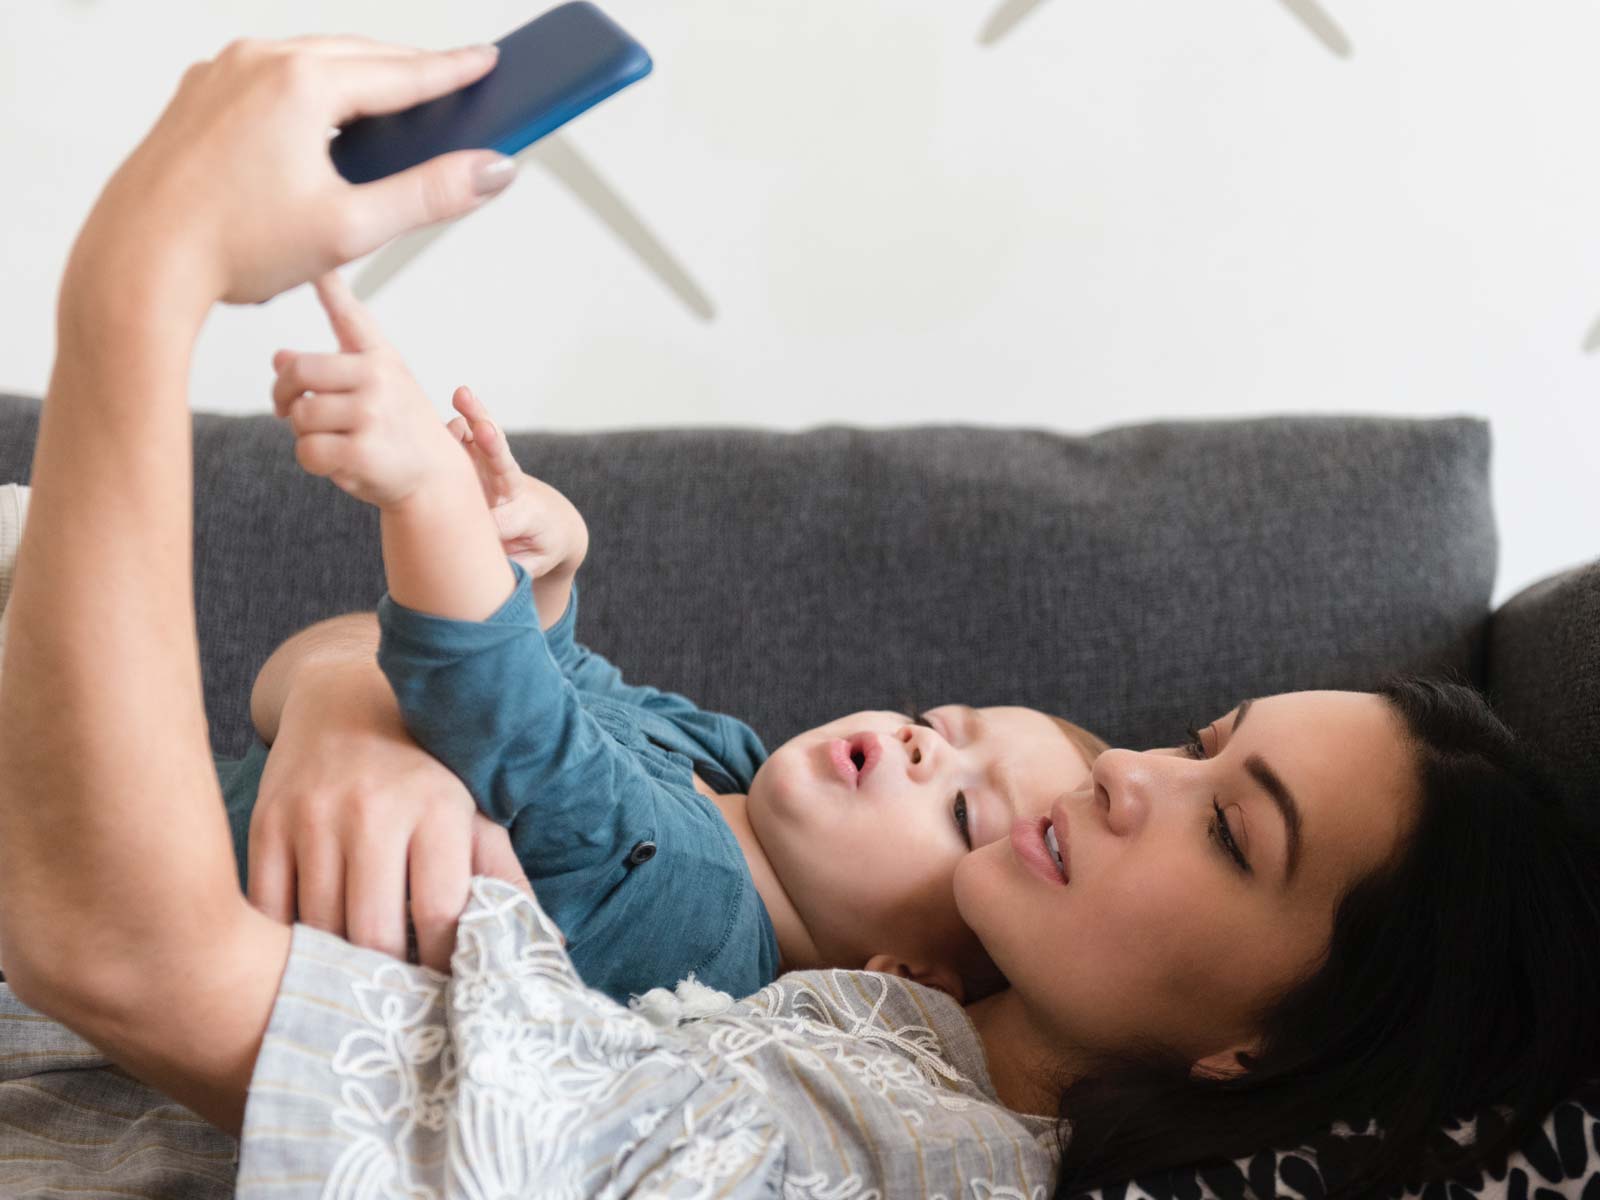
pixel 361 420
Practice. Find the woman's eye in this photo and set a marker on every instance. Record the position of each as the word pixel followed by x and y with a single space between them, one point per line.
pixel 961 818
pixel 1223 836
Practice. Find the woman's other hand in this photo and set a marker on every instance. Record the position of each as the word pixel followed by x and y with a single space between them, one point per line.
pixel 351 809
pixel 235 177
pixel 539 527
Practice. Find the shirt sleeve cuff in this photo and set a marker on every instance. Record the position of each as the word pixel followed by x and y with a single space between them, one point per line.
pixel 408 624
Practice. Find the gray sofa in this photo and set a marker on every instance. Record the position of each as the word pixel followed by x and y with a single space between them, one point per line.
pixel 1134 580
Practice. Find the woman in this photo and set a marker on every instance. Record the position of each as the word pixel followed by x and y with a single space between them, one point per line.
pixel 1327 905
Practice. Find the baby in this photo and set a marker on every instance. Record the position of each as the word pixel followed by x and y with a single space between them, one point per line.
pixel 662 839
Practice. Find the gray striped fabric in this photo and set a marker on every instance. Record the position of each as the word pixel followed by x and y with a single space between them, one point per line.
pixel 73 1124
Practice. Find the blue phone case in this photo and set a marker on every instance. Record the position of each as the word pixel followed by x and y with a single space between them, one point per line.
pixel 553 68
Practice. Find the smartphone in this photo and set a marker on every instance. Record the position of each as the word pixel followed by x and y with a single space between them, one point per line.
pixel 553 68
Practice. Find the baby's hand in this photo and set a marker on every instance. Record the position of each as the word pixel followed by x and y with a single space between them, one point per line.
pixel 539 527
pixel 359 417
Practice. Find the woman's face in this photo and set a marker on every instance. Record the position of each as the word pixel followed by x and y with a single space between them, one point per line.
pixel 1158 932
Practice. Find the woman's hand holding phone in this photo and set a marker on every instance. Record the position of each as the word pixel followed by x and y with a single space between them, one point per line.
pixel 234 187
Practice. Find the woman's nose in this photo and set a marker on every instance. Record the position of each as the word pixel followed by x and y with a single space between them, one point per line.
pixel 1125 784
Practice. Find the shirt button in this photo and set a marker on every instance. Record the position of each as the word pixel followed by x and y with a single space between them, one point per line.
pixel 642 852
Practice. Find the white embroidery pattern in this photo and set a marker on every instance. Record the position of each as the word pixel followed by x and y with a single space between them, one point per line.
pixel 818 1186
pixel 903 1065
pixel 510 1078
pixel 516 1111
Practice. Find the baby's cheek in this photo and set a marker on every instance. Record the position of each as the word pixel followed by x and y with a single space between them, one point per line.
pixel 780 787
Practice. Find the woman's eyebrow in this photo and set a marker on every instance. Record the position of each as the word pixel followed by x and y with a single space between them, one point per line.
pixel 1244 707
pixel 1284 801
pixel 1282 798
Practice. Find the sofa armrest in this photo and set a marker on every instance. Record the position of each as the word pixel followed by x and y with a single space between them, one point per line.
pixel 1543 673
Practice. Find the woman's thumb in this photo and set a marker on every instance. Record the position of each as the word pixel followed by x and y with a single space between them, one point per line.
pixel 440 189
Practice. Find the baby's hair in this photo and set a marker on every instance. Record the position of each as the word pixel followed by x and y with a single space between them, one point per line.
pixel 1089 745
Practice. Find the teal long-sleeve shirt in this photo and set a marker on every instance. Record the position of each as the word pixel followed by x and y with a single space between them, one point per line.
pixel 593 778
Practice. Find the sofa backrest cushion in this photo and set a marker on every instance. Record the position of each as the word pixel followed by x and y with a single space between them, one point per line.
pixel 1544 674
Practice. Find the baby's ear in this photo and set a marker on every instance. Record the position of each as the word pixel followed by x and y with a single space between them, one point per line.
pixel 934 975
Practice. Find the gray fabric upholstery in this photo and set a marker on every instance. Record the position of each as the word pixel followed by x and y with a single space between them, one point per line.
pixel 1544 673
pixel 1134 580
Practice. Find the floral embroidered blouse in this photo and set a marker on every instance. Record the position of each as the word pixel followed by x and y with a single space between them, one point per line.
pixel 511 1078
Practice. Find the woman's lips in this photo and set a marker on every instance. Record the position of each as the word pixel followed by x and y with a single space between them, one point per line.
pixel 867 745
pixel 1027 840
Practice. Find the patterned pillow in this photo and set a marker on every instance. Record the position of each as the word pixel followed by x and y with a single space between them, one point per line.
pixel 1560 1159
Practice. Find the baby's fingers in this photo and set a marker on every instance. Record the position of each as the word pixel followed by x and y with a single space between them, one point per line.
pixel 355 327
pixel 324 455
pixel 299 373
pixel 336 413
pixel 491 444
pixel 466 402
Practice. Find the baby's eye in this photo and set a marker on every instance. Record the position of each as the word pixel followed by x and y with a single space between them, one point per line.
pixel 961 818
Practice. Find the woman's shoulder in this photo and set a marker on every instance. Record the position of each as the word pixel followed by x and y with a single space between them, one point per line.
pixel 918 1024
pixel 884 1072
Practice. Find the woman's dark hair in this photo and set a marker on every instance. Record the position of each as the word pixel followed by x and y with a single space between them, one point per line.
pixel 1461 975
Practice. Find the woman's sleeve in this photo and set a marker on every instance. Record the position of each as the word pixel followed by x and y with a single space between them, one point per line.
pixel 487 699
pixel 506 1078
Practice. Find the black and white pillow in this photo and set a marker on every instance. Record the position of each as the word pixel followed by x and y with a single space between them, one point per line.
pixel 1560 1159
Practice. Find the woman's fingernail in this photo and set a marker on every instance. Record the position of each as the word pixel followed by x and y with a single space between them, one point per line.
pixel 491 177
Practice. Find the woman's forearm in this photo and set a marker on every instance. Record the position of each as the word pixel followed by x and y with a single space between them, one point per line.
pixel 110 501
pixel 116 867
pixel 350 641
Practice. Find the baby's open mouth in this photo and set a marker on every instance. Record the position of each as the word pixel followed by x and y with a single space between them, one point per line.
pixel 854 758
pixel 865 751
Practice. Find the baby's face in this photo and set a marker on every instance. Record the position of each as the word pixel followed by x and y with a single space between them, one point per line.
pixel 864 820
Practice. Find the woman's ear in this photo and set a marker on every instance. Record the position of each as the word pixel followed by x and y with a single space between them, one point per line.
pixel 1225 1064
pixel 937 976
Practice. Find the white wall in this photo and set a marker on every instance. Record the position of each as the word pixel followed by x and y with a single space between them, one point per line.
pixel 1117 210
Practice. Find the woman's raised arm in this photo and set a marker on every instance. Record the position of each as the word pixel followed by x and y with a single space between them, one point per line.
pixel 119 906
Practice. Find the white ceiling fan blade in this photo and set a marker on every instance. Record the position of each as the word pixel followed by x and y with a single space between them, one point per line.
pixel 1004 19
pixel 1322 26
pixel 558 156
pixel 1309 12
pixel 561 159
pixel 393 258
